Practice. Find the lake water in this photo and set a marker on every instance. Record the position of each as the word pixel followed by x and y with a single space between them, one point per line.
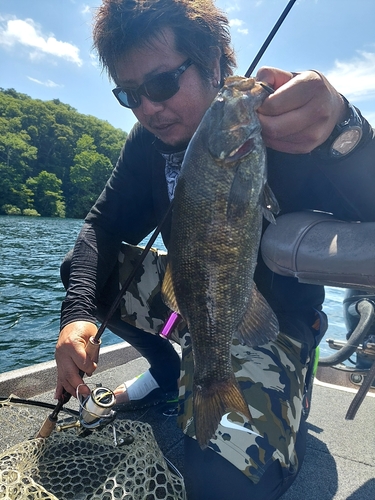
pixel 31 250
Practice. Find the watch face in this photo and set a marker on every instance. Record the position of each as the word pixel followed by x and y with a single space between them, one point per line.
pixel 346 141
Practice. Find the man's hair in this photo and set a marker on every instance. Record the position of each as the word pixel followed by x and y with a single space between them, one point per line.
pixel 200 28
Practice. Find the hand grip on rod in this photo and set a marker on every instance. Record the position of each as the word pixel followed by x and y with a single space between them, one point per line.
pixel 92 347
pixel 48 426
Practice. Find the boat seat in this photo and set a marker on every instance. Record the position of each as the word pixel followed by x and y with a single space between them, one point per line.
pixel 317 248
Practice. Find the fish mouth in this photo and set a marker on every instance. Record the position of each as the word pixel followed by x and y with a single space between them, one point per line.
pixel 246 148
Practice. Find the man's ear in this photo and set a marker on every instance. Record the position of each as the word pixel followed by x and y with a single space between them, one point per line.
pixel 215 68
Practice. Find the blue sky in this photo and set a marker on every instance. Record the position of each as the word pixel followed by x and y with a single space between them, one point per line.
pixel 45 49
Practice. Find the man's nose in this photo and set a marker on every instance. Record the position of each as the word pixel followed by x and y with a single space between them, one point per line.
pixel 149 107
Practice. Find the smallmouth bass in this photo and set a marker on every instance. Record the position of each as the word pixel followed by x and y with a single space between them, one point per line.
pixel 220 199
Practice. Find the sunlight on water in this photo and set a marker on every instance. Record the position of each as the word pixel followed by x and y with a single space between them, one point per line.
pixel 31 250
pixel 334 310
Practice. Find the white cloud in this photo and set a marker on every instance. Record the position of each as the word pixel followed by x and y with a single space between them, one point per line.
pixel 355 78
pixel 233 6
pixel 237 23
pixel 27 33
pixel 86 9
pixel 47 83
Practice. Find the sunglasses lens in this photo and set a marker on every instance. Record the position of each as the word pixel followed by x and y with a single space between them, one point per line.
pixel 133 98
pixel 157 89
pixel 161 87
pixel 127 98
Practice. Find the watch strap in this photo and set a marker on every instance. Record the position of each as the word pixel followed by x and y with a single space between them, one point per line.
pixel 352 122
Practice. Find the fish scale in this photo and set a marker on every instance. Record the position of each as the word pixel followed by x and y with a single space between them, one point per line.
pixel 220 199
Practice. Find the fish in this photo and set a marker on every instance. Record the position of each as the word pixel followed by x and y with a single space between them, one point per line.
pixel 220 200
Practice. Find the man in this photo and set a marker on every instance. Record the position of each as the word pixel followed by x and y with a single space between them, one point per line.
pixel 168 59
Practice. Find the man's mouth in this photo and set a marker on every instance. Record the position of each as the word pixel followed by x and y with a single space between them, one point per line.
pixel 161 126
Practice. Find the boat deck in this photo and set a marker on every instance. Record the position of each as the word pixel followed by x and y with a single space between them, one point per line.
pixel 340 459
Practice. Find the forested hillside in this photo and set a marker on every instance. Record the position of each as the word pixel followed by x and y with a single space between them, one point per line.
pixel 54 161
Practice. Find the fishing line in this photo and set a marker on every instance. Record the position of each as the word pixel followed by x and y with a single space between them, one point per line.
pixel 96 406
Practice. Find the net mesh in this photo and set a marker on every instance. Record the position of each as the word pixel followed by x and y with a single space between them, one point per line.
pixel 67 465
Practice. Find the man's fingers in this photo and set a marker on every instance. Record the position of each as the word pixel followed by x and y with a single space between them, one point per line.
pixel 298 131
pixel 273 77
pixel 301 113
pixel 70 384
pixel 72 359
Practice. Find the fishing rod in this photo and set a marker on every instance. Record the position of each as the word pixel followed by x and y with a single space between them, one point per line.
pixel 92 347
pixel 268 40
pixel 96 340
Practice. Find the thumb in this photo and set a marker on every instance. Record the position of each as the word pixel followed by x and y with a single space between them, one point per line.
pixel 273 77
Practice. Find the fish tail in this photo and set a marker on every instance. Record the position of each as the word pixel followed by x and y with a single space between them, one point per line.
pixel 211 403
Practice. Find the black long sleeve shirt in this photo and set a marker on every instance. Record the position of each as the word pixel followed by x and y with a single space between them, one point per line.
pixel 135 199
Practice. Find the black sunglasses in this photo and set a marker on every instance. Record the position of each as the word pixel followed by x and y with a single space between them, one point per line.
pixel 158 88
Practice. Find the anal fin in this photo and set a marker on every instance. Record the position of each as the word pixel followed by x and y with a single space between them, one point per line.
pixel 259 323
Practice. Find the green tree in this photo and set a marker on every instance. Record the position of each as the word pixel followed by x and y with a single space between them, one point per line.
pixel 48 200
pixel 88 176
pixel 39 137
pixel 16 157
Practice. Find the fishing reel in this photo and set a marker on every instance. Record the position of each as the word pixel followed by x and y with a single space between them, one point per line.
pixel 95 410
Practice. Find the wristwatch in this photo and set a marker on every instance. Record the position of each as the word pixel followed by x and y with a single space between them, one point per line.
pixel 345 136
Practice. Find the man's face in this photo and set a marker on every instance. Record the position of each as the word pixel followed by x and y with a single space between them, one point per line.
pixel 175 120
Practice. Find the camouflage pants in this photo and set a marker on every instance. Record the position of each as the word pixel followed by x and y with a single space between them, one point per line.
pixel 142 305
pixel 272 379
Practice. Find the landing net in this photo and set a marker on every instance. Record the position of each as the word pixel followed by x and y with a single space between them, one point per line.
pixel 67 465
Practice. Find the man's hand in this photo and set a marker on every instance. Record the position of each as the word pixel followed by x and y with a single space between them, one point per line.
pixel 71 357
pixel 302 112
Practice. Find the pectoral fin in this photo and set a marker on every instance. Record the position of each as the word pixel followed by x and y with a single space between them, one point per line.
pixel 259 323
pixel 167 291
pixel 239 195
pixel 269 204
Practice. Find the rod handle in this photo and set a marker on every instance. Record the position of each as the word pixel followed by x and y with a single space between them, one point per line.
pixel 92 348
pixel 47 428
